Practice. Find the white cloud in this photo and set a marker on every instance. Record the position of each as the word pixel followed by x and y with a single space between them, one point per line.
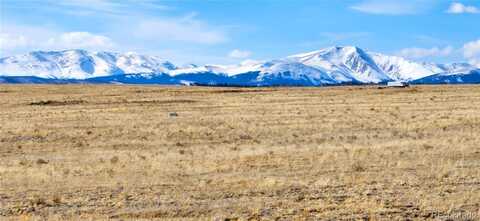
pixel 417 53
pixel 13 41
pixel 21 38
pixel 471 51
pixel 390 7
pixel 83 40
pixel 239 54
pixel 186 29
pixel 426 39
pixel 459 8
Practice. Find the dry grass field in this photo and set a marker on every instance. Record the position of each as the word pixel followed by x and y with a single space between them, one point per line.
pixel 83 152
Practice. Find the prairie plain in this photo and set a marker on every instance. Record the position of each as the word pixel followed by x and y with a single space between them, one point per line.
pixel 98 152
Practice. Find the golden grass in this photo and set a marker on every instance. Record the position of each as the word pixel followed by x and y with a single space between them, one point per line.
pixel 83 152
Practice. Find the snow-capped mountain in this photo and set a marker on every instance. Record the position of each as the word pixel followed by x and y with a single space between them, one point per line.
pixel 344 64
pixel 339 65
pixel 329 66
pixel 80 64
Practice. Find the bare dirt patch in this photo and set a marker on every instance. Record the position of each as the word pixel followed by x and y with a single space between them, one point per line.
pixel 57 103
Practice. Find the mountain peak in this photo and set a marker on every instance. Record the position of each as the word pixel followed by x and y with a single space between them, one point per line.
pixel 335 50
pixel 348 48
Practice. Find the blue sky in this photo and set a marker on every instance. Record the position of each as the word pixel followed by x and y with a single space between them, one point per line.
pixel 229 31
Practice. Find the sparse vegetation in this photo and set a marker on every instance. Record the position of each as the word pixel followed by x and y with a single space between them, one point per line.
pixel 233 153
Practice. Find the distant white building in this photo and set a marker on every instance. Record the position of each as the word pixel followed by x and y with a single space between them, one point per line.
pixel 397 84
pixel 187 83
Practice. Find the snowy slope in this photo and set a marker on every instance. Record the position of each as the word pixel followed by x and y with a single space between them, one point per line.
pixel 400 69
pixel 455 68
pixel 286 69
pixel 469 77
pixel 229 70
pixel 271 70
pixel 80 64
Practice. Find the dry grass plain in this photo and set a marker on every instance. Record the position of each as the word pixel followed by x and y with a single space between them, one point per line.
pixel 84 152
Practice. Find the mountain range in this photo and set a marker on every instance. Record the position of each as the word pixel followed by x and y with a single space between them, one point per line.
pixel 329 66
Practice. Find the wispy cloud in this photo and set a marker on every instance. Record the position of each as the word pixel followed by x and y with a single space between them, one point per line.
pixel 391 7
pixel 83 40
pixel 149 26
pixel 430 40
pixel 239 54
pixel 109 7
pixel 340 36
pixel 459 8
pixel 326 39
pixel 417 53
pixel 179 29
pixel 89 7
